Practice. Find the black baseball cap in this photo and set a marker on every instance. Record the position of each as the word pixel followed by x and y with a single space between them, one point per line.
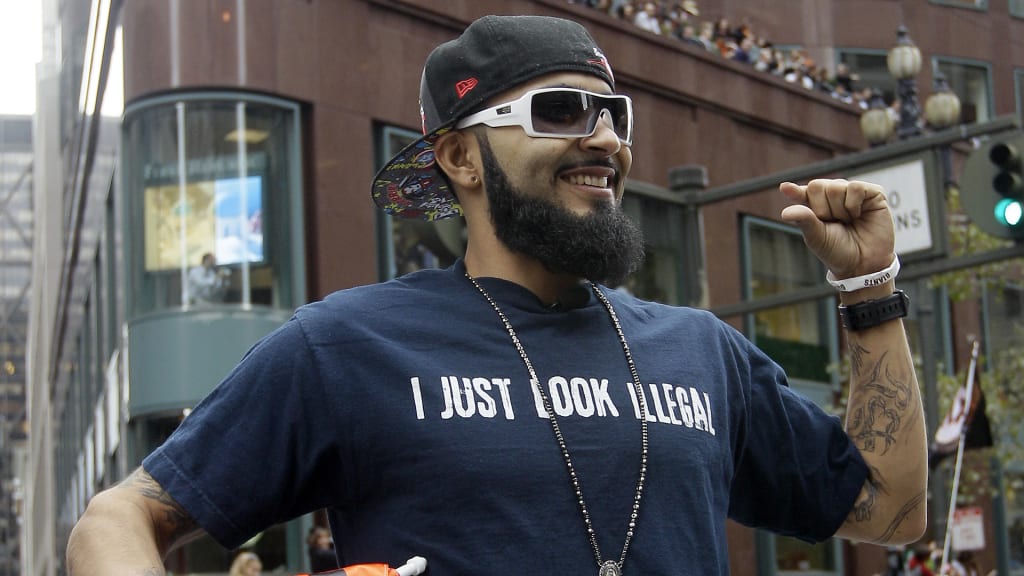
pixel 494 54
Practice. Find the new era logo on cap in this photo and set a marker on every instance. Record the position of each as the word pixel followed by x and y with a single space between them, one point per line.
pixel 602 61
pixel 464 86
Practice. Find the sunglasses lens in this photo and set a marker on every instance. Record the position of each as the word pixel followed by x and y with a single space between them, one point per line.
pixel 560 112
pixel 574 113
pixel 621 118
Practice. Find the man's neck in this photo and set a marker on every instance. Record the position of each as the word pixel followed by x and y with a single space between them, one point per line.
pixel 520 269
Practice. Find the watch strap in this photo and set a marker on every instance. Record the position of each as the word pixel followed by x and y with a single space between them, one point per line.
pixel 871 313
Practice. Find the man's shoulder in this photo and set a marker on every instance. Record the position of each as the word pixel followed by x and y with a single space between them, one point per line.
pixel 408 295
pixel 684 324
pixel 660 310
pixel 424 284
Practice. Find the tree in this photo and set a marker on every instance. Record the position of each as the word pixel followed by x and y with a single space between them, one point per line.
pixel 999 376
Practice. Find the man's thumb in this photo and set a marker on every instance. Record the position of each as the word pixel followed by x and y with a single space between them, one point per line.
pixel 804 218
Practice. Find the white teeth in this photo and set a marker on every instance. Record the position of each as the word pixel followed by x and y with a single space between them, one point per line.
pixel 588 180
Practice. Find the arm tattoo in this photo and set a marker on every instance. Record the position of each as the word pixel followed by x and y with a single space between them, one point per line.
pixel 857 353
pixel 880 406
pixel 901 515
pixel 177 520
pixel 875 420
pixel 865 504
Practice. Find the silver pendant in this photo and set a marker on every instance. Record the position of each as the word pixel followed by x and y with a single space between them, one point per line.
pixel 609 568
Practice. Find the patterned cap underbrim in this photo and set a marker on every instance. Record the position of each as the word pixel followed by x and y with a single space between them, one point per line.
pixel 411 186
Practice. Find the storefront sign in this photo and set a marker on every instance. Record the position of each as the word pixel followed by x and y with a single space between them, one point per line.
pixel 907 190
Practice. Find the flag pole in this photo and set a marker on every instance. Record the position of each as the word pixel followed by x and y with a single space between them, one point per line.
pixel 969 402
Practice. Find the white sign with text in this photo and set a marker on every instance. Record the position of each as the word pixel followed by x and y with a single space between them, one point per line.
pixel 968 529
pixel 907 191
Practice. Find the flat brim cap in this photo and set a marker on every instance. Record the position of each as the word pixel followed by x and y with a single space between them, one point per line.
pixel 493 55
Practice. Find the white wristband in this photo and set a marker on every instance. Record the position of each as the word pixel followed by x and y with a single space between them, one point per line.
pixel 867 280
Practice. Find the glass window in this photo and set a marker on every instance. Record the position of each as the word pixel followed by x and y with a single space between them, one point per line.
pixel 1017 8
pixel 796 336
pixel 409 245
pixel 211 193
pixel 970 81
pixel 869 70
pixel 660 279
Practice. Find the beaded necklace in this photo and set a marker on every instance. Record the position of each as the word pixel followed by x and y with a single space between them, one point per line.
pixel 605 567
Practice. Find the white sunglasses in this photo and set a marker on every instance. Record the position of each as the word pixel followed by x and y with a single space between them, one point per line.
pixel 559 113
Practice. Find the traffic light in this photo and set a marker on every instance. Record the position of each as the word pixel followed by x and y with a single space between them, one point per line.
pixel 992 188
pixel 1007 181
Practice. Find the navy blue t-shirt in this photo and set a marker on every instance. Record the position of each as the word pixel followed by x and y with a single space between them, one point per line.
pixel 405 410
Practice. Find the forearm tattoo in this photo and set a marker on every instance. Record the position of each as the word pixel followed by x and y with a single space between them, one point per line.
pixel 900 516
pixel 880 405
pixel 865 503
pixel 177 522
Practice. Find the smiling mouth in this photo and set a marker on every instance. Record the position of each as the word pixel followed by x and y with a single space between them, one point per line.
pixel 587 180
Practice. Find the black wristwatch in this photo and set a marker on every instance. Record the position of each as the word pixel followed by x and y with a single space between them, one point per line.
pixel 871 313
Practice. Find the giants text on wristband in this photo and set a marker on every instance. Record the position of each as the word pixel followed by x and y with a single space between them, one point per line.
pixel 867 280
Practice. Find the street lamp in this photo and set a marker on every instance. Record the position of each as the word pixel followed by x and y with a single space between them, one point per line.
pixel 942 108
pixel 876 123
pixel 904 63
pixel 941 111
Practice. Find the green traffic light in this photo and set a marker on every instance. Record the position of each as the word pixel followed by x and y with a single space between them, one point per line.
pixel 992 192
pixel 1009 212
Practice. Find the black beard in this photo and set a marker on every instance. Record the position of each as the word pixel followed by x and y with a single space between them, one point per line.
pixel 603 246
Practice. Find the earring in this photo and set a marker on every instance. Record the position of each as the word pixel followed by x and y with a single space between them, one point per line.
pixel 473 179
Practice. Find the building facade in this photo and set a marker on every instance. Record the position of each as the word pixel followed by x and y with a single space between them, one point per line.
pixel 249 130
pixel 15 280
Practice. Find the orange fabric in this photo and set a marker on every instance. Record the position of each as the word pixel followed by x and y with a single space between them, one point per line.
pixel 370 570
pixel 359 570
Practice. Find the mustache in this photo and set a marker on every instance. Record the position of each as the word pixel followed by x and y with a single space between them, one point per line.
pixel 600 163
pixel 590 163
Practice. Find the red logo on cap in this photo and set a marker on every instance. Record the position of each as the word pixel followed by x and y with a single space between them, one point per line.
pixel 464 86
pixel 601 60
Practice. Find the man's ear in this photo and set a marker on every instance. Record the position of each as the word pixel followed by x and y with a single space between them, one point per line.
pixel 458 155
